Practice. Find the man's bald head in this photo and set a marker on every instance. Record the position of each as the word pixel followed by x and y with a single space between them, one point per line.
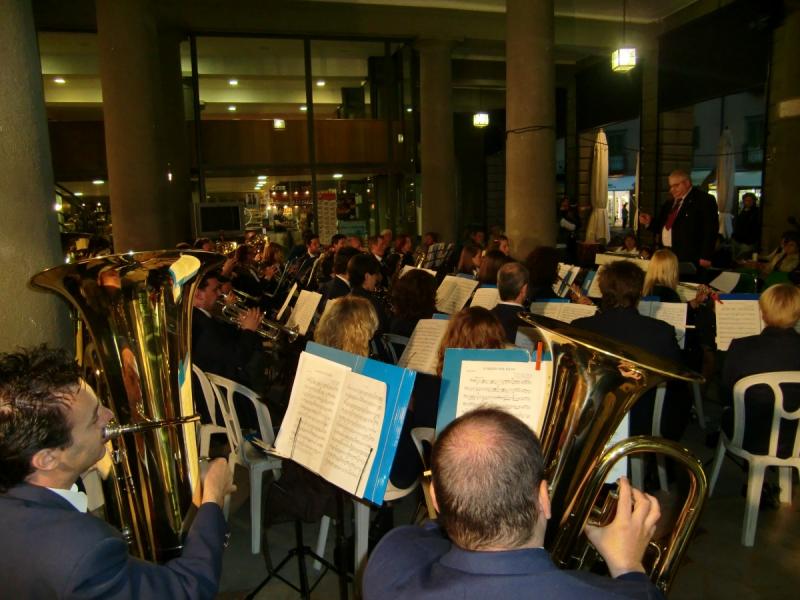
pixel 487 470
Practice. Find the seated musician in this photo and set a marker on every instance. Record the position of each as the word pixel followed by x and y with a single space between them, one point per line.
pixel 400 256
pixel 512 286
pixel 51 431
pixel 490 265
pixel 325 271
pixel 348 324
pixel 301 266
pixel 500 242
pixel 469 261
pixel 339 285
pixel 225 349
pixel 776 348
pixel 364 275
pixel 493 505
pixel 542 265
pixel 618 319
pixel 413 298
pixel 376 246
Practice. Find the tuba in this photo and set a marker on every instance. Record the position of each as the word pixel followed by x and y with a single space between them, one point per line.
pixel 595 382
pixel 137 310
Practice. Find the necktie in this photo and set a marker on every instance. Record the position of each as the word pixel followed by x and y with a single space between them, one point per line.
pixel 676 208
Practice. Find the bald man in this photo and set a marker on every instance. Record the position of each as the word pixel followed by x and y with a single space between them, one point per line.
pixel 493 506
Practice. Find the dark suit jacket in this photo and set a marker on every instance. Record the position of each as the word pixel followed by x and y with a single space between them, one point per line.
pixel 507 314
pixel 418 563
pixel 657 337
pixel 221 348
pixel 335 288
pixel 51 550
pixel 694 232
pixel 772 350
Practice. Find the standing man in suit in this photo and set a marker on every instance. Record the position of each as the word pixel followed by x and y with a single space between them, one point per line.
pixel 493 505
pixel 52 430
pixel 512 286
pixel 689 223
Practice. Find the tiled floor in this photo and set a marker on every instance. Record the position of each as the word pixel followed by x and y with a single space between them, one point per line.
pixel 717 566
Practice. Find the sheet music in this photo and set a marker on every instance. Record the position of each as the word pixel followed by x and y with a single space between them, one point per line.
pixel 409 268
pixel 565 312
pixel 453 294
pixel 687 291
pixel 736 319
pixel 594 289
pixel 605 258
pixel 725 281
pixel 307 424
pixel 516 387
pixel 289 297
pixel 304 310
pixel 673 313
pixel 355 434
pixel 422 351
pixel 485 297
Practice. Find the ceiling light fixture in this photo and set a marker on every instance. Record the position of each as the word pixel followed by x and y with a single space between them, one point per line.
pixel 480 119
pixel 262 177
pixel 409 109
pixel 303 107
pixel 79 193
pixel 232 108
pixel 59 80
pixel 233 82
pixel 623 58
pixel 337 175
pixel 98 181
pixel 278 124
pixel 320 83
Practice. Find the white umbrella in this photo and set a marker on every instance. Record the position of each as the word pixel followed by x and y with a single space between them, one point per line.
pixel 726 188
pixel 598 229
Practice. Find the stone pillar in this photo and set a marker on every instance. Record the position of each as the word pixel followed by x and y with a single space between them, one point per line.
pixel 130 74
pixel 649 196
pixel 783 122
pixel 436 139
pixel 530 103
pixel 29 239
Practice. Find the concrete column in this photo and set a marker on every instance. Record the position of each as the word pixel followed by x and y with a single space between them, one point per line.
pixel 29 239
pixel 130 74
pixel 530 103
pixel 436 139
pixel 783 118
pixel 648 166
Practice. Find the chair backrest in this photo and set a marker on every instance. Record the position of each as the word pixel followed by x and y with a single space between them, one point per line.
pixel 773 381
pixel 208 393
pixel 391 342
pixel 224 391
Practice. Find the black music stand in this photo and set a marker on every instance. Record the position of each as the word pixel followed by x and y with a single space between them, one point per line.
pixel 301 551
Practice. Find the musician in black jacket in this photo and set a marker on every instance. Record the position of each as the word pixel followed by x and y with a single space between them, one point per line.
pixel 339 285
pixel 512 286
pixel 687 224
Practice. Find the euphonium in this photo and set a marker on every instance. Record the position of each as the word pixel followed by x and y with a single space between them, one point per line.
pixel 137 309
pixel 595 382
pixel 267 328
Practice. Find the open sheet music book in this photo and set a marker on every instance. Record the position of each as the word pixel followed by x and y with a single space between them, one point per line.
pixel 673 313
pixel 726 281
pixel 563 311
pixel 344 419
pixel 505 379
pixel 737 316
pixel 605 258
pixel 453 294
pixel 408 268
pixel 285 304
pixel 487 297
pixel 566 276
pixel 304 310
pixel 422 351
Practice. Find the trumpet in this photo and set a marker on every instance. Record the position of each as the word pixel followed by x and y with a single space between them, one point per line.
pixel 267 328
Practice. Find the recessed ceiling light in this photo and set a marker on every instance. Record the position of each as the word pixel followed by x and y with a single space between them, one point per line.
pixel 303 107
pixel 233 82
pixel 320 83
pixel 262 177
pixel 409 109
pixel 337 175
pixel 59 80
pixel 79 193
pixel 232 108
pixel 278 124
pixel 98 182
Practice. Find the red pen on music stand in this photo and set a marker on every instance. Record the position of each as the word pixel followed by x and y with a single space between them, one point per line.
pixel 538 355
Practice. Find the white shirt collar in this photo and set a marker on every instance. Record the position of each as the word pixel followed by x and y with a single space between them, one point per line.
pixel 343 279
pixel 204 311
pixel 77 498
pixel 510 303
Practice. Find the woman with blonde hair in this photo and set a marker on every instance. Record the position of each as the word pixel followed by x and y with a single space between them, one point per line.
pixel 348 324
pixel 661 278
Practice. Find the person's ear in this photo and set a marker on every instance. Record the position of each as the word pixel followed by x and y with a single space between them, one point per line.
pixel 544 500
pixel 46 459
pixel 433 497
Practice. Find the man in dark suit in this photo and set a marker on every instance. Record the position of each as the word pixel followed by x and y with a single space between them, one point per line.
pixel 621 284
pixel 776 348
pixel 512 286
pixel 493 504
pixel 339 285
pixel 51 430
pixel 688 224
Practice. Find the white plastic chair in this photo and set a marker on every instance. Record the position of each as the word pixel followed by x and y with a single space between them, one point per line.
pixel 242 451
pixel 757 463
pixel 390 342
pixel 207 429
pixel 637 461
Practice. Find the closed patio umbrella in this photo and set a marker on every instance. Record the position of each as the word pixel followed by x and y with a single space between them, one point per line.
pixel 598 229
pixel 726 186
